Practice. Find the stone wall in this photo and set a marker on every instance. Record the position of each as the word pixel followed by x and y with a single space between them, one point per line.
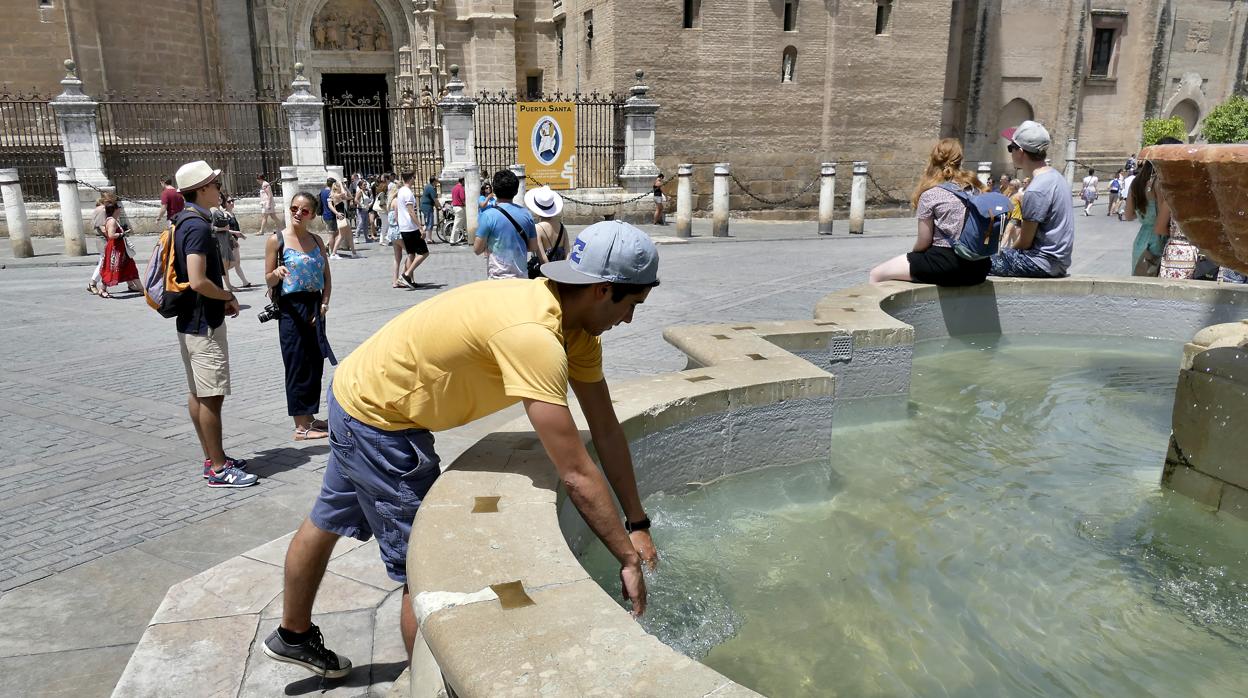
pixel 25 38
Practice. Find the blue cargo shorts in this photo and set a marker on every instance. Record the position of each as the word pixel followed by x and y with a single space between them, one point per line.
pixel 374 483
pixel 1011 262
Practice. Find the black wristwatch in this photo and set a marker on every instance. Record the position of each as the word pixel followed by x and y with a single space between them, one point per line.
pixel 633 526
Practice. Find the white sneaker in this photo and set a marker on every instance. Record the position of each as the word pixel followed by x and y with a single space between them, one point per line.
pixel 335 256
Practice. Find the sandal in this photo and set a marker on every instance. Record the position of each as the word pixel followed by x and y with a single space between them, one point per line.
pixel 104 293
pixel 320 425
pixel 308 433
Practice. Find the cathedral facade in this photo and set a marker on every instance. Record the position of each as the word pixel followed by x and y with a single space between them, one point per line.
pixel 773 86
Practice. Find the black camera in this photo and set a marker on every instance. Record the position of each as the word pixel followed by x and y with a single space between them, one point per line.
pixel 270 312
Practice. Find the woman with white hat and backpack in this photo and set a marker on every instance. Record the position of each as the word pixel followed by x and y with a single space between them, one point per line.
pixel 545 204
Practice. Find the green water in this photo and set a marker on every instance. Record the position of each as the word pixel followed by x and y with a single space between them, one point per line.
pixel 1008 538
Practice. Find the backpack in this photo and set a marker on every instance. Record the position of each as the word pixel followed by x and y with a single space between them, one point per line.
pixel 986 216
pixel 161 287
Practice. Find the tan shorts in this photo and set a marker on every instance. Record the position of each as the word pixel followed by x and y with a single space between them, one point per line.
pixel 206 358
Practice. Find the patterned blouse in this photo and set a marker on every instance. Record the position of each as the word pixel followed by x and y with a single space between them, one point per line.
pixel 307 271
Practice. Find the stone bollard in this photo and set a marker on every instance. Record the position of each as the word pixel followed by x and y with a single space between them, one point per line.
pixel 984 172
pixel 684 201
pixel 719 201
pixel 827 190
pixel 858 198
pixel 15 213
pixel 1072 150
pixel 518 170
pixel 290 187
pixel 472 192
pixel 71 212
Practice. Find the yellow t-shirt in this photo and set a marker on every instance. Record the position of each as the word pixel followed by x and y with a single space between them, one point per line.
pixel 464 354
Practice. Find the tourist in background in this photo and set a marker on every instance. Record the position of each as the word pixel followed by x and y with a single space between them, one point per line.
pixel 225 226
pixel 201 323
pixel 506 233
pixel 394 239
pixel 171 202
pixel 409 229
pixel 552 241
pixel 268 208
pixel 428 203
pixel 297 269
pixel 1014 225
pixel 1115 194
pixel 98 216
pixel 339 199
pixel 1046 238
pixel 1088 193
pixel 1125 191
pixel 363 204
pixel 1154 216
pixel 487 198
pixel 659 201
pixel 118 265
pixel 459 231
pixel 327 212
pixel 381 205
pixel 940 215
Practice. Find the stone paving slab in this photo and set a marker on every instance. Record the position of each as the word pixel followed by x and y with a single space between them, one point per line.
pixel 99 463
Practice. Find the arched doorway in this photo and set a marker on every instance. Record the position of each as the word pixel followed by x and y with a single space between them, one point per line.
pixel 1015 112
pixel 1189 112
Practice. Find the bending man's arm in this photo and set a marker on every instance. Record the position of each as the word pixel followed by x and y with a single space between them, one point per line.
pixel 617 460
pixel 587 488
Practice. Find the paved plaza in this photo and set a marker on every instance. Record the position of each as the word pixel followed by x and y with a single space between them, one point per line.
pixel 102 507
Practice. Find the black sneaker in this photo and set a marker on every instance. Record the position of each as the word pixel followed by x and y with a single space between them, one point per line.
pixel 311 654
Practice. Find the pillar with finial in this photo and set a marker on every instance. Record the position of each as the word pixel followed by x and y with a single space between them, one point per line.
pixel 304 112
pixel 458 140
pixel 77 121
pixel 639 168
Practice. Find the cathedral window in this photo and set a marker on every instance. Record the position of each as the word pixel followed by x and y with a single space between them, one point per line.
pixel 788 64
pixel 790 15
pixel 1107 26
pixel 693 14
pixel 883 13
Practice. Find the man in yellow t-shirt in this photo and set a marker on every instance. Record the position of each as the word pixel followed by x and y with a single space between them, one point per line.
pixel 450 360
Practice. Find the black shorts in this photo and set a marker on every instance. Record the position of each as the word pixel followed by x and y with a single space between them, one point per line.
pixel 943 267
pixel 414 242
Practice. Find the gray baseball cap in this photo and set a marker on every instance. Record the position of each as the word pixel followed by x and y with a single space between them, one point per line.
pixel 1029 136
pixel 608 251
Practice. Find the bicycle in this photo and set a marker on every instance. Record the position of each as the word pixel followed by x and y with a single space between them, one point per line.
pixel 444 223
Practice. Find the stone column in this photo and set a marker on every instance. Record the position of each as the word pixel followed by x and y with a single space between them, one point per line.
pixel 984 172
pixel 639 170
pixel 518 170
pixel 684 201
pixel 827 192
pixel 472 191
pixel 719 201
pixel 290 187
pixel 858 198
pixel 458 140
pixel 15 214
pixel 80 133
pixel 1072 148
pixel 307 132
pixel 71 212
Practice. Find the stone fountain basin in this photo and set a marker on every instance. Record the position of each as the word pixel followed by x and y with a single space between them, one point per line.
pixel 1207 189
pixel 506 608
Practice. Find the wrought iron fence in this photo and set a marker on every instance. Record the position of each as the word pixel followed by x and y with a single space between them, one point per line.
pixel 599 134
pixel 372 135
pixel 142 140
pixel 31 142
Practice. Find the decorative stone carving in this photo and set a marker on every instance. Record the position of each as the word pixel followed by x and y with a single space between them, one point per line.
pixel 349 25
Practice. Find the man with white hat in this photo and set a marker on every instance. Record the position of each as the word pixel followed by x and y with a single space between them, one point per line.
pixel 546 204
pixel 453 359
pixel 1044 246
pixel 201 320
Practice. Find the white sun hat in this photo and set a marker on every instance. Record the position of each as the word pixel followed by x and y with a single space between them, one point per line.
pixel 543 201
pixel 194 175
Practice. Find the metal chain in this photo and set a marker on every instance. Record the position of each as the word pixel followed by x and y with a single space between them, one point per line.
pixel 138 202
pixel 770 202
pixel 601 204
pixel 888 196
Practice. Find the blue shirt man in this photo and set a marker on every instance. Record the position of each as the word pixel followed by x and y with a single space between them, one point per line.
pixel 508 243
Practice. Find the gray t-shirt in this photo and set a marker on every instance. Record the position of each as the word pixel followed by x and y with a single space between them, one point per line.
pixel 1047 201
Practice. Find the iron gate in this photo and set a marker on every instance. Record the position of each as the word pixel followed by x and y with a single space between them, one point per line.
pixel 372 135
pixel 31 142
pixel 599 134
pixel 142 140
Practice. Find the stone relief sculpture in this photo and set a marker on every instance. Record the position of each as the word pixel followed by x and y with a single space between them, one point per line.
pixel 349 25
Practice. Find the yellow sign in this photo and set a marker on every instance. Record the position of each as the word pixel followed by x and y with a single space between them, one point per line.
pixel 546 142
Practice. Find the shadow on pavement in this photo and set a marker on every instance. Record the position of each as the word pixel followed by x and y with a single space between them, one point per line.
pixel 283 458
pixel 363 675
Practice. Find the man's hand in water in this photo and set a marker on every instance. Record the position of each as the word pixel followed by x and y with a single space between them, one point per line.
pixel 633 586
pixel 645 548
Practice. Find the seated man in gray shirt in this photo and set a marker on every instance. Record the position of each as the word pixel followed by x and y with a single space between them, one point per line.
pixel 1044 246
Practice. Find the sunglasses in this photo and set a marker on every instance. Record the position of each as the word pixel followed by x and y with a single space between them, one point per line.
pixel 301 209
pixel 1011 148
